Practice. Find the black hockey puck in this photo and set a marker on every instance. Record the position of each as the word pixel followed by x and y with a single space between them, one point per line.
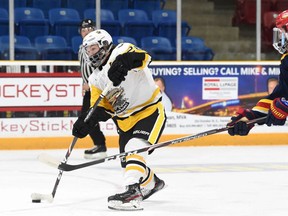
pixel 36 201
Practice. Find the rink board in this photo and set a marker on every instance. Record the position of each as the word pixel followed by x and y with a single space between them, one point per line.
pixel 112 141
pixel 197 90
pixel 55 133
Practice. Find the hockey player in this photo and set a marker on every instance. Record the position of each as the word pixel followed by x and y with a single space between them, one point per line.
pixel 134 104
pixel 275 105
pixel 99 149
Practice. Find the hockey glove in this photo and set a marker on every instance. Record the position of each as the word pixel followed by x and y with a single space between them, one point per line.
pixel 238 125
pixel 117 72
pixel 131 60
pixel 80 128
pixel 278 112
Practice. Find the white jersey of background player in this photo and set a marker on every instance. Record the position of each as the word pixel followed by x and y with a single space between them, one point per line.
pixel 134 104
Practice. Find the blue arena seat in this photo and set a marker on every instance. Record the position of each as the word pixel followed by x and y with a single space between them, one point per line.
pixel 132 15
pixel 136 24
pixel 23 48
pixel 159 48
pixel 64 22
pixel 108 21
pixel 31 22
pixel 53 47
pixel 123 39
pixel 45 5
pixel 80 6
pixel 4 13
pixel 17 3
pixel 4 22
pixel 159 16
pixel 194 48
pixel 148 6
pixel 76 42
pixel 165 22
pixel 115 6
pixel 105 14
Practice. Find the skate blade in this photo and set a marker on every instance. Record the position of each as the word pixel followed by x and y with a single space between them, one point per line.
pixel 133 205
pixel 95 156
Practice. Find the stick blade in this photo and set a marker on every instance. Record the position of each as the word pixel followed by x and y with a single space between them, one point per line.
pixel 49 160
pixel 67 167
pixel 37 197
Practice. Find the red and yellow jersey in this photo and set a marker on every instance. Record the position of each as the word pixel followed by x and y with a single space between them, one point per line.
pixel 281 90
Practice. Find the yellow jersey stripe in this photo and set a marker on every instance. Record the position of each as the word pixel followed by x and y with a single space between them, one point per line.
pixel 127 123
pixel 148 180
pixel 95 93
pixel 154 135
pixel 135 168
pixel 135 157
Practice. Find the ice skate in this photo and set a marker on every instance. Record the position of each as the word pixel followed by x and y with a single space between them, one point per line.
pixel 96 152
pixel 127 201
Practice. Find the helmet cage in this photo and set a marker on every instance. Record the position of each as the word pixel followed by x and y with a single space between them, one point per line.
pixel 98 58
pixel 280 40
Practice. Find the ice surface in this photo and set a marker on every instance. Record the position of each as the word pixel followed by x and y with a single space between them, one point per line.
pixel 202 181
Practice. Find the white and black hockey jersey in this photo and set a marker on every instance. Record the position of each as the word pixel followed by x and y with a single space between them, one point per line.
pixel 135 98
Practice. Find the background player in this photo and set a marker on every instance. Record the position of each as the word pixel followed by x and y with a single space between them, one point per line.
pixel 160 82
pixel 272 82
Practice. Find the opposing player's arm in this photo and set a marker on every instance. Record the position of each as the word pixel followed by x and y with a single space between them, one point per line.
pixel 262 106
pixel 238 125
pixel 278 112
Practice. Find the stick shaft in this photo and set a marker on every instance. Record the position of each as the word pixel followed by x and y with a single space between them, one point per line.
pixel 73 143
pixel 69 150
pixel 69 167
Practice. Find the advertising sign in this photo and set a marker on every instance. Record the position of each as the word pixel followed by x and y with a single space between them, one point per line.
pixel 212 88
pixel 38 91
pixel 204 97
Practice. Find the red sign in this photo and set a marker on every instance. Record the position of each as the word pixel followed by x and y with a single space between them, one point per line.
pixel 28 92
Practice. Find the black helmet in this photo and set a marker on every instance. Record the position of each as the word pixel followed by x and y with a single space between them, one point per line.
pixel 87 23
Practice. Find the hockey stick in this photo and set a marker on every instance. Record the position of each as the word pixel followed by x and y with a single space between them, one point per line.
pixel 69 167
pixel 37 197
